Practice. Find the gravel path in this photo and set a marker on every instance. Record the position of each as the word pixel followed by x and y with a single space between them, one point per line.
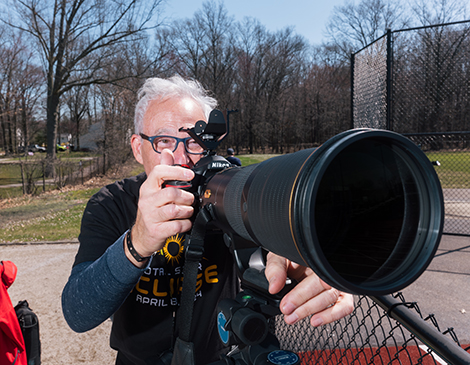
pixel 42 273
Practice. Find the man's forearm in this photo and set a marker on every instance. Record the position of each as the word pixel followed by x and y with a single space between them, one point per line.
pixel 95 290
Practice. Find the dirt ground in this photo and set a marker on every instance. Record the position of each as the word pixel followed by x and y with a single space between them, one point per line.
pixel 42 273
pixel 43 270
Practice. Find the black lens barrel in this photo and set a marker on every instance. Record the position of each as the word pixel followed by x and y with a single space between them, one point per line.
pixel 365 210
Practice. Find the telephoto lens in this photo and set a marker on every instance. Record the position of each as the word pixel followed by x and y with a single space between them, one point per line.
pixel 365 210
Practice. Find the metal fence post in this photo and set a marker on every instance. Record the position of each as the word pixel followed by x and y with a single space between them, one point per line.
pixel 352 90
pixel 389 79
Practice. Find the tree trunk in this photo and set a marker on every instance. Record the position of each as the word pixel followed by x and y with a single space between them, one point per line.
pixel 77 147
pixel 24 122
pixel 4 135
pixel 10 136
pixel 52 118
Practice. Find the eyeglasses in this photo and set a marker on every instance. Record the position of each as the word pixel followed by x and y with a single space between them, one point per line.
pixel 159 143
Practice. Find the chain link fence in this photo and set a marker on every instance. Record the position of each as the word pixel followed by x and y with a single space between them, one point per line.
pixel 34 175
pixel 369 86
pixel 375 333
pixel 416 82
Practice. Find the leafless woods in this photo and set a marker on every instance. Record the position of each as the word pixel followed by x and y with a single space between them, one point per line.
pixel 74 66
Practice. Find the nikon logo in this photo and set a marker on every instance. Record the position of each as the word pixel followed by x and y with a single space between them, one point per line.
pixel 219 165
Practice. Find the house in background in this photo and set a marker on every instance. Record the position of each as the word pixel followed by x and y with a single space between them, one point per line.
pixel 91 140
pixel 64 138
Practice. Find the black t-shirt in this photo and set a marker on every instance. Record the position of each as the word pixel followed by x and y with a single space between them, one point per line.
pixel 144 325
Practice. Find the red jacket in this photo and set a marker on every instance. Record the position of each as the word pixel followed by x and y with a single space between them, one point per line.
pixel 12 350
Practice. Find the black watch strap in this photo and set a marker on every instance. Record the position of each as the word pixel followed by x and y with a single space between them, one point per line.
pixel 132 250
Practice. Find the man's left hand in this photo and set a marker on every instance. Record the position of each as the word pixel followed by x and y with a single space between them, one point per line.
pixel 310 296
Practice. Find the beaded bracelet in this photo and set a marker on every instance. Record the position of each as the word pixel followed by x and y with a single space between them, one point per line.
pixel 132 250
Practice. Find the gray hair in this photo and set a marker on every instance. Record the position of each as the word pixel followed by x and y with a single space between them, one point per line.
pixel 174 87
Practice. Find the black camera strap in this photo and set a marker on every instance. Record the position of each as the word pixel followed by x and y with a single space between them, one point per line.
pixel 183 352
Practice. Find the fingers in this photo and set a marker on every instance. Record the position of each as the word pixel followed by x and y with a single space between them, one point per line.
pixel 343 307
pixel 167 158
pixel 166 204
pixel 157 197
pixel 162 173
pixel 310 297
pixel 314 296
pixel 276 272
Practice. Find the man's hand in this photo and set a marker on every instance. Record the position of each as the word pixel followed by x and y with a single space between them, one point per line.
pixel 310 296
pixel 161 213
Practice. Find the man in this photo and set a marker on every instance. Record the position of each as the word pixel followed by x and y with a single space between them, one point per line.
pixel 129 264
pixel 231 157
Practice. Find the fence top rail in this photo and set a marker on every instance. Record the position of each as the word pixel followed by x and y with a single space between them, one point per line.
pixel 410 29
pixel 431 26
pixel 435 134
pixel 371 43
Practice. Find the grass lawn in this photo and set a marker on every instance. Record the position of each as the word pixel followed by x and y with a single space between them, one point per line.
pixel 48 217
pixel 454 171
pixel 10 174
pixel 252 159
pixel 54 215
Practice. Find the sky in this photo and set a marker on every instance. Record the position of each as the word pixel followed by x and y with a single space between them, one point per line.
pixel 308 17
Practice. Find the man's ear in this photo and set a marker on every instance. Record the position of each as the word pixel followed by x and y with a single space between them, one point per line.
pixel 136 144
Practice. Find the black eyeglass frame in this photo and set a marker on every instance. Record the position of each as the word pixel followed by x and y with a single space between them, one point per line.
pixel 178 141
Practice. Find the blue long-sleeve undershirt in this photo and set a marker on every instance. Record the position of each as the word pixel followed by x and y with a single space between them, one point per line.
pixel 96 289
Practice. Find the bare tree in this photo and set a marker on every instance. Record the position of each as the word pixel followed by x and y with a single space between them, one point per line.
pixel 204 48
pixel 252 78
pixel 220 52
pixel 20 86
pixel 78 104
pixel 29 92
pixel 251 35
pixel 430 12
pixel 117 111
pixel 187 39
pixel 351 26
pixel 69 33
pixel 285 61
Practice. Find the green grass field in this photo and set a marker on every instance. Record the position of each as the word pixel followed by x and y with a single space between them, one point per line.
pixel 53 216
pixel 454 171
pixel 252 159
pixel 9 174
pixel 48 217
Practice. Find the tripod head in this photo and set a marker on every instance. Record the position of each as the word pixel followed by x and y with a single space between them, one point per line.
pixel 244 322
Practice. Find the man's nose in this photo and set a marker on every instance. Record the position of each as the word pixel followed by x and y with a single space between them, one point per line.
pixel 181 156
